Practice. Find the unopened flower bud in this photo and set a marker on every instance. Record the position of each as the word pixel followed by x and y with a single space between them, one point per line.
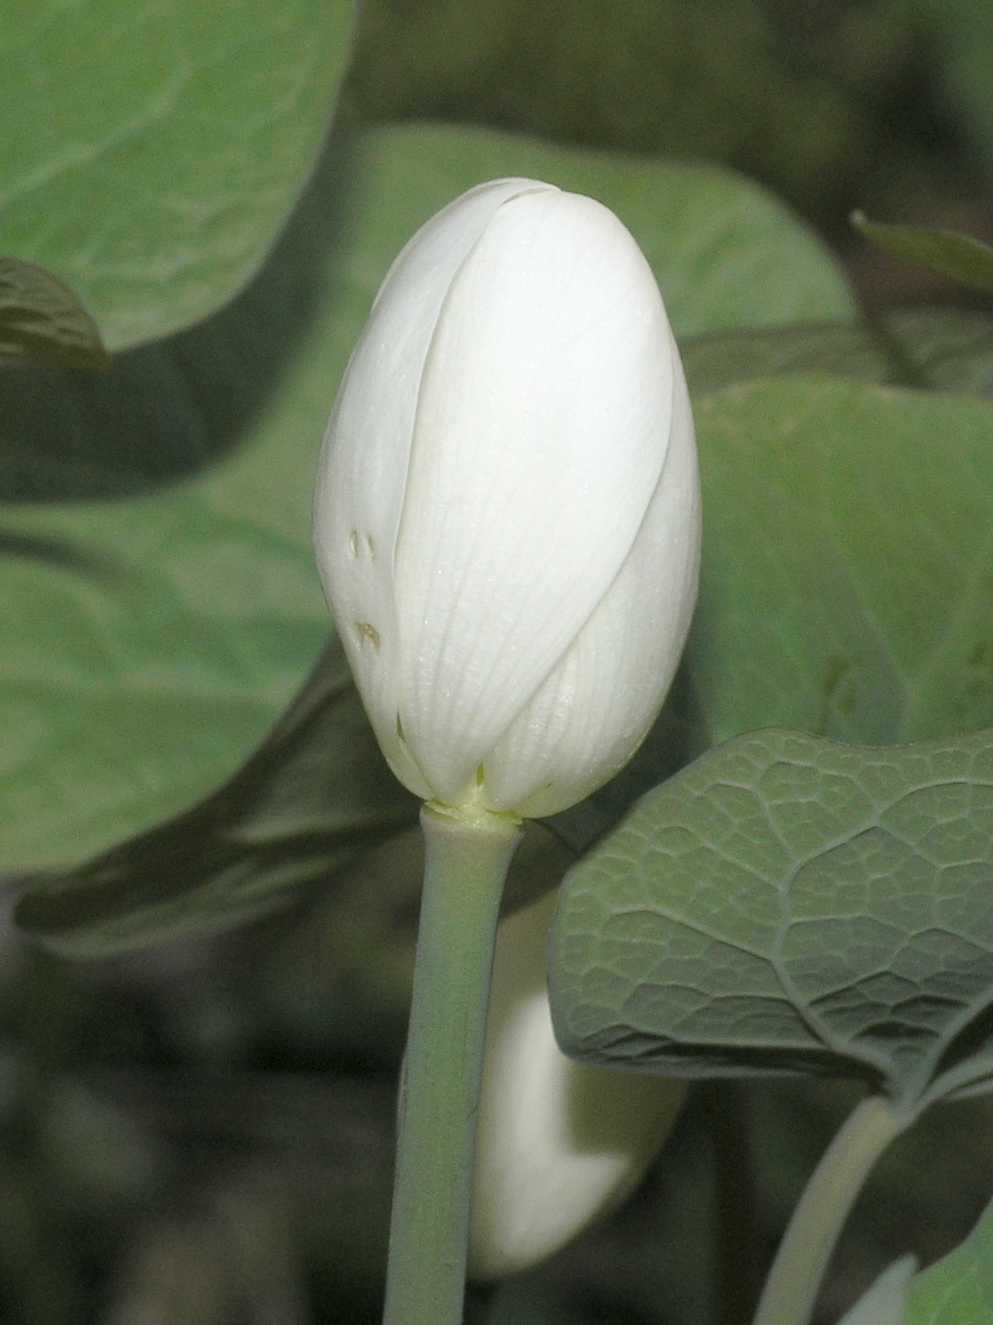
pixel 507 514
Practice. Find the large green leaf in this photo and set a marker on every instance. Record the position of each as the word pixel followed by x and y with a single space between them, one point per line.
pixel 153 151
pixel 846 583
pixel 846 586
pixel 957 1290
pixel 150 642
pixel 789 904
pixel 246 850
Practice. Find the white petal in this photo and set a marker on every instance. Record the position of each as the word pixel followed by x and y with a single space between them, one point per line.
pixel 363 470
pixel 558 1142
pixel 597 706
pixel 541 431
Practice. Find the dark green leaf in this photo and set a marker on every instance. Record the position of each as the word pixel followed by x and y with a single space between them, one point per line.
pixel 961 257
pixel 960 47
pixel 42 321
pixel 788 904
pixel 152 152
pixel 313 796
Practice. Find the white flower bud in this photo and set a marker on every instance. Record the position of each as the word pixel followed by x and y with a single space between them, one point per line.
pixel 559 1143
pixel 507 513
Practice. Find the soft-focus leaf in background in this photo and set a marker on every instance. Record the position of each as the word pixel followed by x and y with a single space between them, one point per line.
pixel 961 258
pixel 790 904
pixel 42 321
pixel 152 641
pixel 153 168
pixel 939 349
pixel 845 585
pixel 248 849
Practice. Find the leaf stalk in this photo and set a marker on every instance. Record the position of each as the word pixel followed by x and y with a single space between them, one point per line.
pixel 791 1290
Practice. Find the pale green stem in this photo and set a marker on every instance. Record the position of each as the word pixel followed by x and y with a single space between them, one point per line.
pixel 465 866
pixel 791 1290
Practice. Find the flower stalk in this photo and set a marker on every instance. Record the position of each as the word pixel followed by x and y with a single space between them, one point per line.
pixel 466 864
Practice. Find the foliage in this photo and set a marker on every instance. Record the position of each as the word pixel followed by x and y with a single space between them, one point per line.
pixel 152 168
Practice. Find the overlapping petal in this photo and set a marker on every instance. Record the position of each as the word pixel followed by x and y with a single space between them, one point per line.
pixel 596 707
pixel 363 470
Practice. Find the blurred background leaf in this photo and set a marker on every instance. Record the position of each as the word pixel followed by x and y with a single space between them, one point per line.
pixel 840 516
pixel 248 849
pixel 860 513
pixel 153 168
pixel 959 257
pixel 940 349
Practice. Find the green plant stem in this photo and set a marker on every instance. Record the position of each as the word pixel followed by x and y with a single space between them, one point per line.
pixel 791 1290
pixel 465 866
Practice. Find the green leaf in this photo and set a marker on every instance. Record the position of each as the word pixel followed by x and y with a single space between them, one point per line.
pixel 961 257
pixel 150 642
pixel 942 349
pixel 845 587
pixel 844 349
pixel 41 320
pixel 788 904
pixel 153 169
pixel 291 818
pixel 846 584
pixel 934 348
pixel 957 1290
